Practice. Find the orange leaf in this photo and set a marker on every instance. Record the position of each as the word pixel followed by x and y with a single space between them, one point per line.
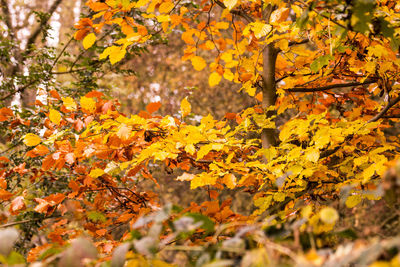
pixel 101 232
pixel 5 195
pixel 48 162
pixel 153 107
pixel 125 217
pixel 6 112
pixel 259 96
pixel 39 150
pixel 230 116
pixel 79 35
pixel 94 93
pixel 97 6
pixel 17 204
pixel 4 159
pixel 55 199
pixel 55 94
pixel 43 205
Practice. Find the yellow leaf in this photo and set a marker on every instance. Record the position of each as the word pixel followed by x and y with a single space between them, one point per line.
pixel 229 75
pixel 31 139
pixel 312 155
pixel 163 18
pixel 55 116
pixel 229 180
pixel 166 7
pixel 202 180
pixel 328 215
pixel 214 79
pixel 198 63
pixel 260 29
pixel 96 173
pixel 69 103
pixel 249 88
pixel 283 44
pixel 190 149
pixel 89 40
pixel 306 211
pixel 117 54
pixel 368 173
pixel 204 151
pixel 185 107
pixel 106 53
pixel 141 3
pixel 353 201
pixel 88 103
pixel 230 4
pixel 280 196
pixel 210 45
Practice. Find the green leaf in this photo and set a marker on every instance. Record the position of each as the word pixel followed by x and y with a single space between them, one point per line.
pixel 96 216
pixel 320 62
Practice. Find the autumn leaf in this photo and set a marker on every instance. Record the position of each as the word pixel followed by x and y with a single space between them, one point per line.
pixel 69 103
pixel 89 40
pixel 185 107
pixel 198 63
pixel 5 195
pixel 353 201
pixel 230 4
pixel 55 116
pixel 166 7
pixel 88 104
pixel 17 205
pixel 31 139
pixel 229 180
pixel 279 15
pixel 260 29
pixel 39 150
pixel 117 54
pixel 124 131
pixel 329 215
pixel 96 173
pixel 153 107
pixel 214 79
pixel 202 180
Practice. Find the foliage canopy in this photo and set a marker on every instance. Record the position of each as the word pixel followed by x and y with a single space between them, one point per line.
pixel 318 149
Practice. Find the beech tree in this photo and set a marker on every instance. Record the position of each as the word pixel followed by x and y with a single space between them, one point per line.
pixel 320 145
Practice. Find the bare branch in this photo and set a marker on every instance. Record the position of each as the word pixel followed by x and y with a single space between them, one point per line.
pixel 328 87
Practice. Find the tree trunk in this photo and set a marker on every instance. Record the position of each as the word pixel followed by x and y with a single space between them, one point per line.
pixel 270 54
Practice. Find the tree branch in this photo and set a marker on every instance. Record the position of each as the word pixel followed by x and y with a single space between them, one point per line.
pixel 292 43
pixel 35 33
pixel 385 109
pixel 328 87
pixel 28 221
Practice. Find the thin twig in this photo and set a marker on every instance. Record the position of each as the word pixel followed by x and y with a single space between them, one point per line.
pixel 328 87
